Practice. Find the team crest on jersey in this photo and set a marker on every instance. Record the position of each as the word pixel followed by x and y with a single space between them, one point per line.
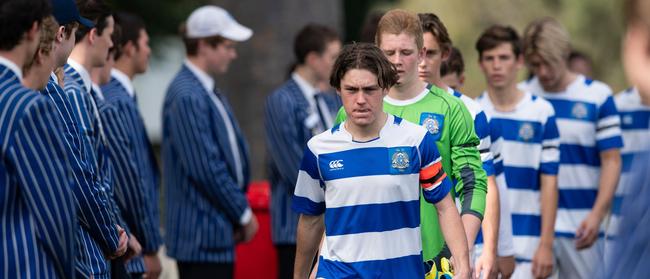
pixel 580 111
pixel 628 120
pixel 400 160
pixel 433 122
pixel 526 131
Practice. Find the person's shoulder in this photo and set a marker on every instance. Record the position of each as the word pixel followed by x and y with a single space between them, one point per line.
pixel 591 90
pixel 541 104
pixel 285 93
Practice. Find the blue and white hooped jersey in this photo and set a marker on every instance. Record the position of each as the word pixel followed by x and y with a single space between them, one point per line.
pixel 635 128
pixel 530 147
pixel 482 130
pixel 370 195
pixel 589 124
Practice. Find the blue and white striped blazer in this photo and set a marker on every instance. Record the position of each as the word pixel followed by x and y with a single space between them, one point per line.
pixel 135 170
pixel 83 124
pixel 286 138
pixel 203 201
pixel 37 216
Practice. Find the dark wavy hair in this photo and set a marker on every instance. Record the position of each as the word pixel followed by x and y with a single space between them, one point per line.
pixel 364 56
pixel 17 17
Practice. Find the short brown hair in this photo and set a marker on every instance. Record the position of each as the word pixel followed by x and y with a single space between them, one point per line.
pixel 192 44
pixel 68 28
pixel 397 22
pixel 547 38
pixel 496 35
pixel 367 57
pixel 49 27
pixel 453 64
pixel 637 11
pixel 312 38
pixel 431 23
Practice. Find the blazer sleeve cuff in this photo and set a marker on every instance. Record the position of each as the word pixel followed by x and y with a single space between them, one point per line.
pixel 246 216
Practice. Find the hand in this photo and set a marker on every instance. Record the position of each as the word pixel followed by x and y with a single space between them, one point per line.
pixel 486 265
pixel 153 266
pixel 587 233
pixel 122 244
pixel 249 230
pixel 506 266
pixel 134 248
pixel 543 261
pixel 460 269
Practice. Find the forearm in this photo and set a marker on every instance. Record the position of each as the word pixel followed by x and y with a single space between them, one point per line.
pixel 490 225
pixel 610 171
pixel 453 231
pixel 308 238
pixel 549 200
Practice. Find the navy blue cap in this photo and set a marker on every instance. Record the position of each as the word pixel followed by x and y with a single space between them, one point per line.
pixel 66 11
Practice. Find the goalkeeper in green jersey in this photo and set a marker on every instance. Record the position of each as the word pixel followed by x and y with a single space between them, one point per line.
pixel 399 36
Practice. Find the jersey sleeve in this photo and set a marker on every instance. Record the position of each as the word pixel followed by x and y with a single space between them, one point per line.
pixel 467 167
pixel 340 116
pixel 550 163
pixel 495 147
pixel 483 132
pixel 433 179
pixel 608 127
pixel 309 194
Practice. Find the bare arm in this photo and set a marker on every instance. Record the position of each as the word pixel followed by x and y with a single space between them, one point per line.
pixel 610 169
pixel 490 227
pixel 453 232
pixel 308 238
pixel 543 258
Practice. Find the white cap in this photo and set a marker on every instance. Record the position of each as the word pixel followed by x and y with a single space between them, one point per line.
pixel 208 21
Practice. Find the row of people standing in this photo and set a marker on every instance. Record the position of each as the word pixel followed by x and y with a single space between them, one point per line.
pixel 552 143
pixel 81 177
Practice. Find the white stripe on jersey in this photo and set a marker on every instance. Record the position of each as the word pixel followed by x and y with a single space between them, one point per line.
pixel 354 247
pixel 343 193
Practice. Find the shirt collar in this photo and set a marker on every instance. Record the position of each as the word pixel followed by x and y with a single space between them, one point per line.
pixel 12 66
pixel 204 78
pixel 307 89
pixel 53 78
pixel 85 76
pixel 98 90
pixel 123 79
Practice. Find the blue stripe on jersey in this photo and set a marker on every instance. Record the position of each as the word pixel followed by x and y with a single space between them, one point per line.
pixel 609 143
pixel 574 110
pixel 635 119
pixel 530 225
pixel 372 217
pixel 307 206
pixel 577 198
pixel 402 267
pixel 489 168
pixel 520 131
pixel 522 178
pixel 579 155
pixel 551 168
pixel 308 165
pixel 627 160
pixel 365 162
pixel 498 167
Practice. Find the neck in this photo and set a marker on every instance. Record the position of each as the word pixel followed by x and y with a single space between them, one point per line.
pixel 123 64
pixel 29 80
pixel 16 55
pixel 199 63
pixel 368 132
pixel 567 78
pixel 95 75
pixel 406 91
pixel 307 74
pixel 80 54
pixel 436 80
pixel 506 98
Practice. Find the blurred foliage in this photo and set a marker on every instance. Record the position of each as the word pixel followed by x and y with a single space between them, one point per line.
pixel 595 27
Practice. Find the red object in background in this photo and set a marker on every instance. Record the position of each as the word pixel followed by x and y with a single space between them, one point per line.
pixel 257 258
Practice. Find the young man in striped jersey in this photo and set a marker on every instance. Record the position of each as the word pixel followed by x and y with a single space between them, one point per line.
pixel 590 137
pixel 399 36
pixel 134 164
pixel 438 48
pixel 37 214
pixel 310 112
pixel 88 142
pixel 205 156
pixel 359 183
pixel 530 151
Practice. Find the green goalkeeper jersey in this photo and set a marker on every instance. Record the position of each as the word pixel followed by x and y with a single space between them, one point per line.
pixel 447 118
